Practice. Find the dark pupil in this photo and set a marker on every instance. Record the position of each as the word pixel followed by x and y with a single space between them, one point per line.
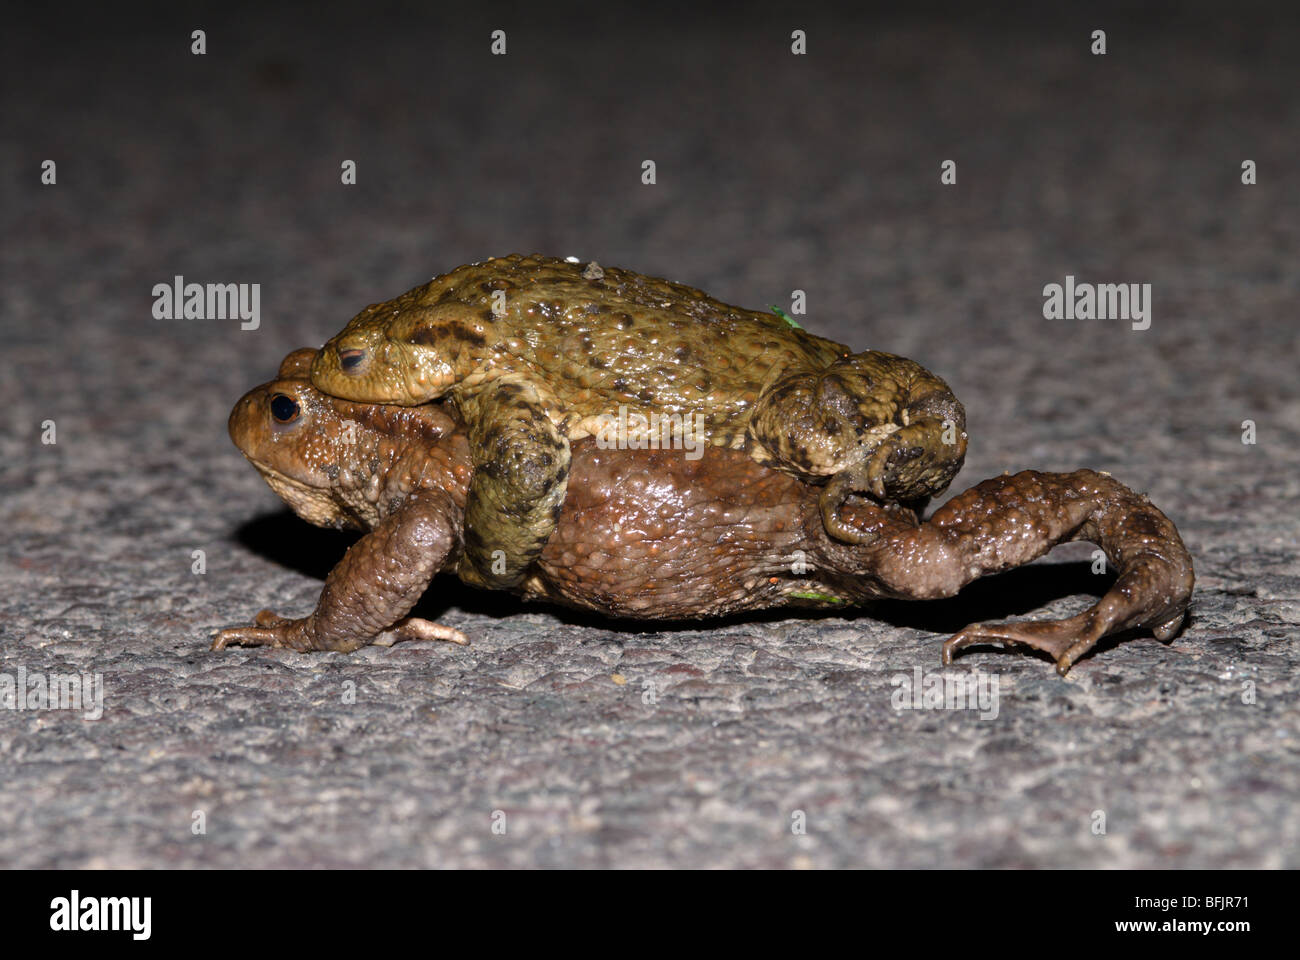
pixel 283 408
pixel 351 359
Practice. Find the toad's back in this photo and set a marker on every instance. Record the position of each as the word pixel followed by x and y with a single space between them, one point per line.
pixel 597 338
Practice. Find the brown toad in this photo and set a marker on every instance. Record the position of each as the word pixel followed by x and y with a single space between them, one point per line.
pixel 649 534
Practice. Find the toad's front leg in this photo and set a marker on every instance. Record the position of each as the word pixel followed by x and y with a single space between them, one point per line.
pixel 368 595
pixel 1009 521
pixel 521 470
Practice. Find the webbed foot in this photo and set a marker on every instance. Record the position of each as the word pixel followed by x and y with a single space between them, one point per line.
pixel 1064 640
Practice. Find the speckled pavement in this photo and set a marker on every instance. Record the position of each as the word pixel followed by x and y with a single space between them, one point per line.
pixel 559 740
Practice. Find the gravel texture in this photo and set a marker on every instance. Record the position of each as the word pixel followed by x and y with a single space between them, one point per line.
pixel 774 172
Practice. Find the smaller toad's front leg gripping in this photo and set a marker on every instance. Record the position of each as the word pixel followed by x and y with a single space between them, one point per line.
pixel 875 423
pixel 371 590
pixel 521 472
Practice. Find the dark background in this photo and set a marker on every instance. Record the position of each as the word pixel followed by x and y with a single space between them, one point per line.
pixel 775 172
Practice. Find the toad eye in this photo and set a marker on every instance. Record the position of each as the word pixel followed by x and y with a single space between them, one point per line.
pixel 283 408
pixel 350 360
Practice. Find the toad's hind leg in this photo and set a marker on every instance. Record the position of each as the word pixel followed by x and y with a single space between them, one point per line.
pixel 876 424
pixel 1011 520
pixel 521 470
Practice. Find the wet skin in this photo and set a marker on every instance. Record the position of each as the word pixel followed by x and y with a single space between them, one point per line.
pixel 651 534
pixel 534 353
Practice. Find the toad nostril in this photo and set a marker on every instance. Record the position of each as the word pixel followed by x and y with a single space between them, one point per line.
pixel 350 360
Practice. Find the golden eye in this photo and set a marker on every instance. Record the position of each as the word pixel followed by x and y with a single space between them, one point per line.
pixel 284 408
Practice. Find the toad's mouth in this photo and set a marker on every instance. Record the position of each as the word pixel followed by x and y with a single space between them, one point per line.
pixel 312 504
